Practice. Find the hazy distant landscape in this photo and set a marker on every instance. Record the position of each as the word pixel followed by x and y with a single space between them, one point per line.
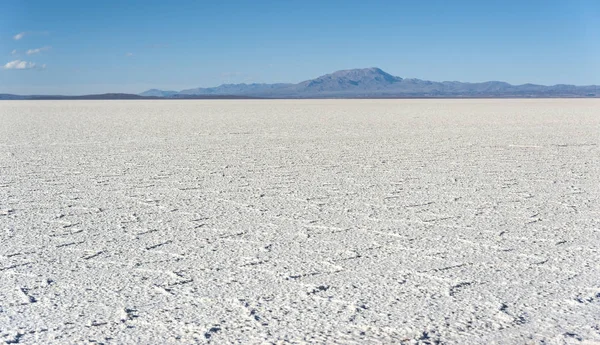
pixel 355 83
pixel 300 221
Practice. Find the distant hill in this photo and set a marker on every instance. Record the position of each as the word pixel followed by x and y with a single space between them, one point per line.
pixel 6 96
pixel 117 96
pixel 59 97
pixel 375 83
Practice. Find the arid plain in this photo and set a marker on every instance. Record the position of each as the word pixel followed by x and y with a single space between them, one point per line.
pixel 300 221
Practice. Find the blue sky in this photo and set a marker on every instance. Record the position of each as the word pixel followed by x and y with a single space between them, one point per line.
pixel 131 46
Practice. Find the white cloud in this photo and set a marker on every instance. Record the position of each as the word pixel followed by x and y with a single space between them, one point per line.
pixel 129 54
pixel 14 52
pixel 18 64
pixel 37 50
pixel 19 36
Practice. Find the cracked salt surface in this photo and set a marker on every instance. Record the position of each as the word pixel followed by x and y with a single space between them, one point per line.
pixel 301 221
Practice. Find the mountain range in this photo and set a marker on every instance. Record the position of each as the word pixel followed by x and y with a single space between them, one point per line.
pixel 353 83
pixel 375 83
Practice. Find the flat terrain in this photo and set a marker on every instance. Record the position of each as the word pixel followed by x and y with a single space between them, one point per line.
pixel 309 221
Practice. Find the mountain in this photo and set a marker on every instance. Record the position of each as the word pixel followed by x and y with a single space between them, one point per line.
pixel 367 79
pixel 373 83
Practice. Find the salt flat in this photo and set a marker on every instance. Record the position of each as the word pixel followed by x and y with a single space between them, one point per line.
pixel 300 221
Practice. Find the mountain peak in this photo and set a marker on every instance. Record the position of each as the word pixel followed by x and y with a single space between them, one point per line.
pixel 361 73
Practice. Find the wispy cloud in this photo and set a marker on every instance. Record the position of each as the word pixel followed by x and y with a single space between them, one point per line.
pixel 19 35
pixel 128 54
pixel 37 50
pixel 14 52
pixel 18 64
